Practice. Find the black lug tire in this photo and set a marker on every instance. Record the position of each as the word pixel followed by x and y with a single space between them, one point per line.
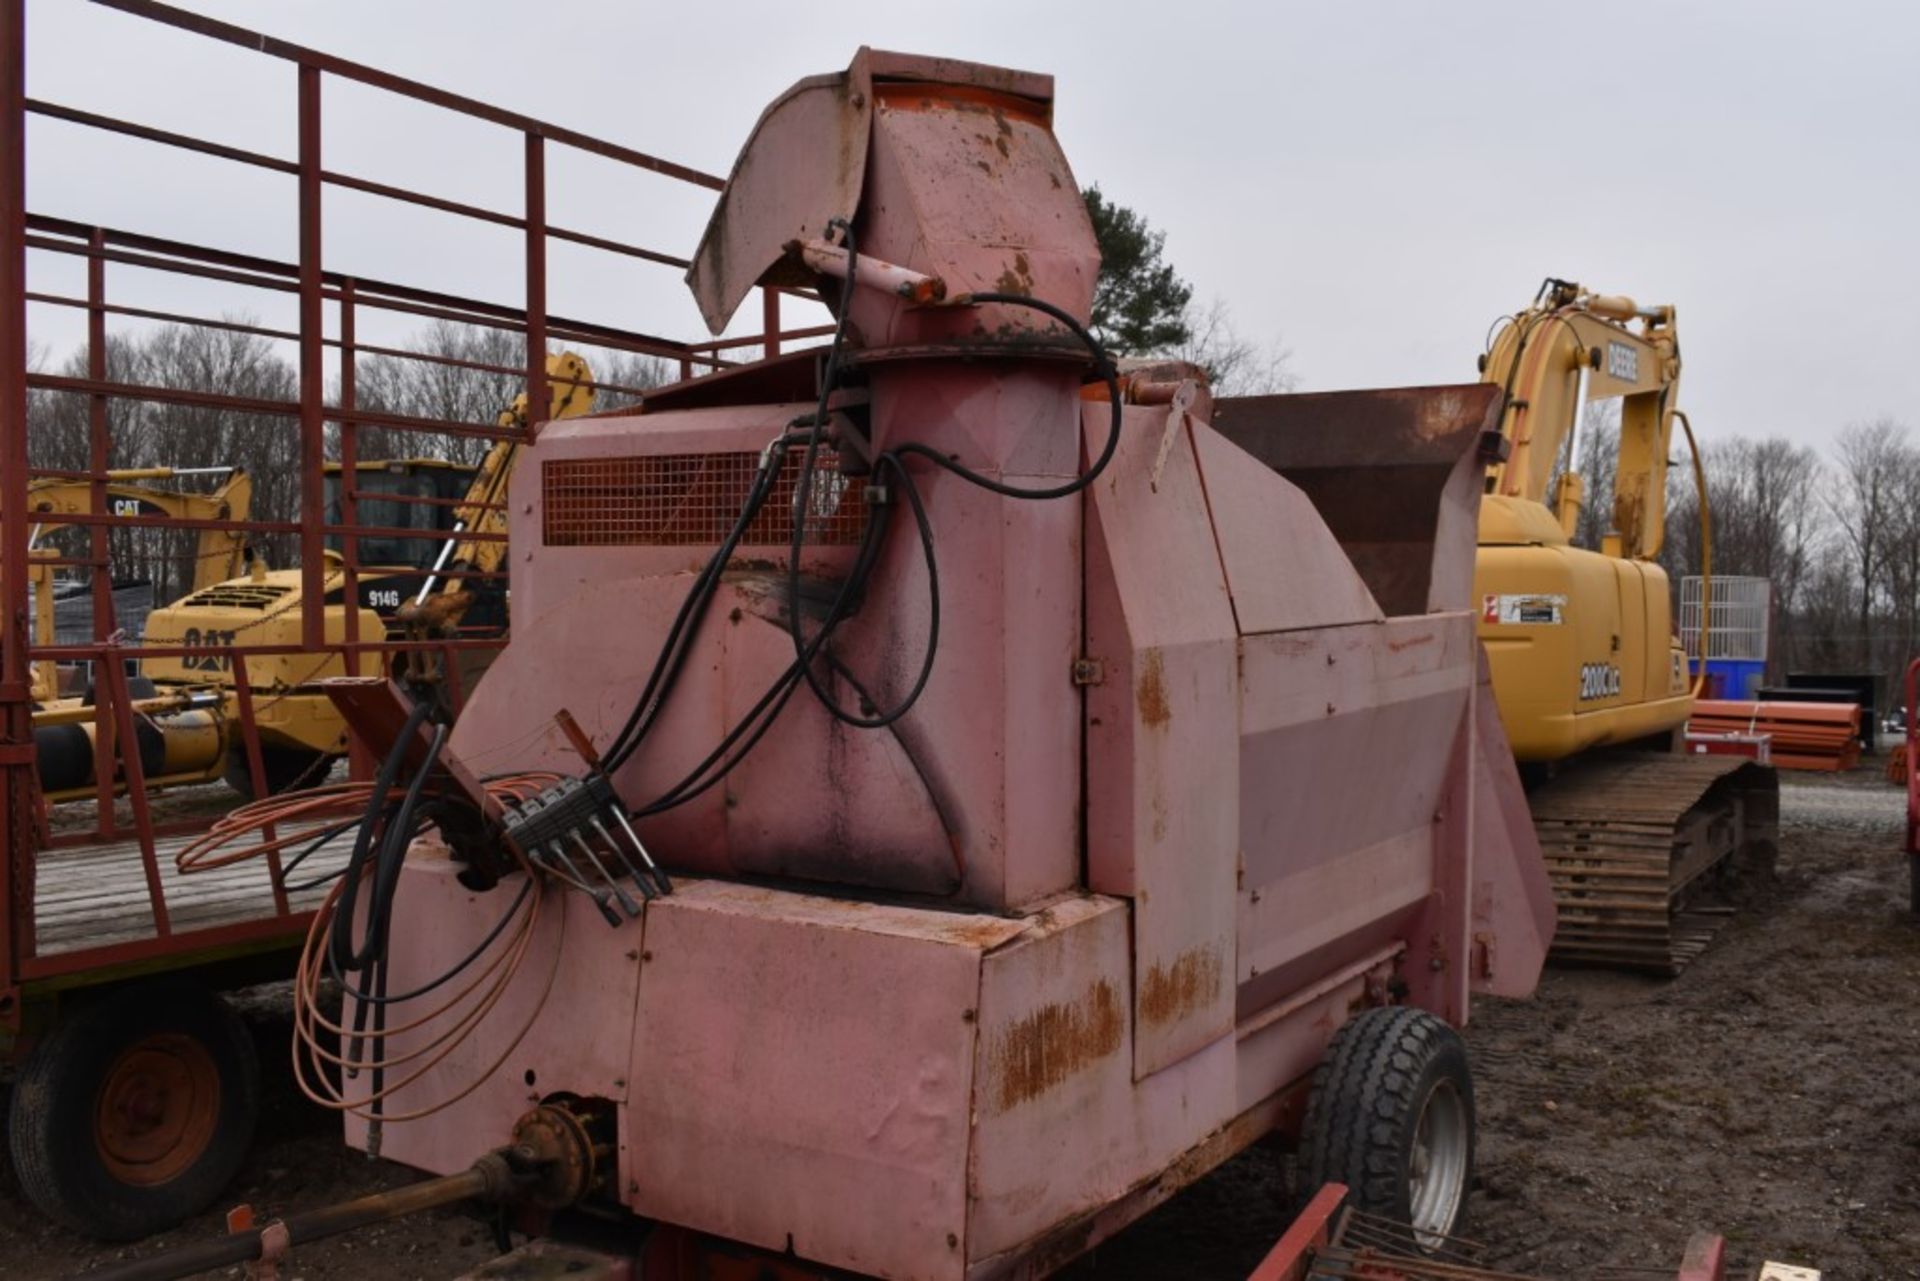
pixel 287 768
pixel 1365 1104
pixel 51 1123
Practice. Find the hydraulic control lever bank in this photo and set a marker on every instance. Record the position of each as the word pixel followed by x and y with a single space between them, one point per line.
pixel 1055 767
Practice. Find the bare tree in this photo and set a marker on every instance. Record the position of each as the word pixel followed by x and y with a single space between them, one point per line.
pixel 1901 563
pixel 1839 539
pixel 267 445
pixel 1863 498
pixel 1767 521
pixel 451 387
pixel 626 373
pixel 1235 364
pixel 235 364
pixel 435 389
pixel 156 433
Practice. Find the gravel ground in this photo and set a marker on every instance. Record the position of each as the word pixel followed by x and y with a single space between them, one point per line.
pixel 1764 1094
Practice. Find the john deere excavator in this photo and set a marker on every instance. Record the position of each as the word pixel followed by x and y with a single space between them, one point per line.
pixel 300 731
pixel 1591 681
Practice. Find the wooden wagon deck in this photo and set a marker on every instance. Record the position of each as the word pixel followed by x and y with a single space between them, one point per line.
pixel 96 895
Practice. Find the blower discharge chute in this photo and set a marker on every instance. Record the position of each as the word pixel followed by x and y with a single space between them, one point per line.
pixel 1045 789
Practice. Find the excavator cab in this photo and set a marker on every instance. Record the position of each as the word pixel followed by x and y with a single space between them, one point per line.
pixel 410 493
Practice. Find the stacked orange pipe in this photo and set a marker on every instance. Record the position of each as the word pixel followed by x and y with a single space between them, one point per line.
pixel 1807 736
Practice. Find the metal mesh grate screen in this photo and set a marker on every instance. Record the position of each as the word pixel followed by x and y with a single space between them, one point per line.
pixel 689 499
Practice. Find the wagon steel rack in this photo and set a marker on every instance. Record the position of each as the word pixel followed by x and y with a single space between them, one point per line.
pixel 1910 775
pixel 91 919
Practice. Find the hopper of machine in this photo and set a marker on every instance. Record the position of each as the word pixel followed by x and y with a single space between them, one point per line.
pixel 1149 763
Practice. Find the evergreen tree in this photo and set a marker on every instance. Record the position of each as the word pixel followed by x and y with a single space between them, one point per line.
pixel 1139 303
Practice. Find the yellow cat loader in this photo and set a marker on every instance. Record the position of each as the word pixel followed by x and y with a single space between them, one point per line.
pixel 300 731
pixel 1591 681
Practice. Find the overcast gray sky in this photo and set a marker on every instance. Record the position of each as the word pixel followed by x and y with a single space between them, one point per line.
pixel 1368 184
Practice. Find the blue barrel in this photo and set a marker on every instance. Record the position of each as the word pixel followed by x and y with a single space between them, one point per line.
pixel 1732 677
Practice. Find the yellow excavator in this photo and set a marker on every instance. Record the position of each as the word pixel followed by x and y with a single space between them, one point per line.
pixel 63 721
pixel 300 730
pixel 52 501
pixel 1591 680
pixel 188 705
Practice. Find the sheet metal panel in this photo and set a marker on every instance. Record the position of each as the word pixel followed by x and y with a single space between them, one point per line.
pixel 1345 764
pixel 573 993
pixel 1060 1125
pixel 806 1062
pixel 1162 817
pixel 1283 565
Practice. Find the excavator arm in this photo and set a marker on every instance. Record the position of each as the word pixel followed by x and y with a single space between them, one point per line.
pixel 220 552
pixel 1570 348
pixel 570 382
pixel 52 501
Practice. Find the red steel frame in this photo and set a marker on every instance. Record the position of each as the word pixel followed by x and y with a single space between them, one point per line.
pixel 1913 773
pixel 317 288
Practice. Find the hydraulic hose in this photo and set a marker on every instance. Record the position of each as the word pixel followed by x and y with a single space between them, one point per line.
pixel 1706 554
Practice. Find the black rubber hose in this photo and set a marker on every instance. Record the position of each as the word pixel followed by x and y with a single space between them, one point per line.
pixel 783 686
pixel 882 719
pixel 894 459
pixel 337 945
pixel 1102 366
pixel 674 651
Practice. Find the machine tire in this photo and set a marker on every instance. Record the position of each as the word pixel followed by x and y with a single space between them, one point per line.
pixel 287 768
pixel 136 1110
pixel 1391 1107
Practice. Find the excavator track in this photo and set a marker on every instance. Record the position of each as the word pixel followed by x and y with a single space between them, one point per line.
pixel 1634 842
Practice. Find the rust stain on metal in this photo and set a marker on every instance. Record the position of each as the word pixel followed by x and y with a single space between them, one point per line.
pixel 1018 278
pixel 1424 638
pixel 1054 1043
pixel 1171 992
pixel 1150 691
pixel 985 932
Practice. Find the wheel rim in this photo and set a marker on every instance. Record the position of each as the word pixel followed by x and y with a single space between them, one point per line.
pixel 1437 1166
pixel 157 1109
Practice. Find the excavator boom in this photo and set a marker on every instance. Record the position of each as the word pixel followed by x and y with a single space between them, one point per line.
pixel 54 501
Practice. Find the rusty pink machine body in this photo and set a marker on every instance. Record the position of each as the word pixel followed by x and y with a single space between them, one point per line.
pixel 1206 761
pixel 1912 780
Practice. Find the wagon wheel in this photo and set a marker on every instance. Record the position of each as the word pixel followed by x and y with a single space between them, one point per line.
pixel 136 1110
pixel 1391 1116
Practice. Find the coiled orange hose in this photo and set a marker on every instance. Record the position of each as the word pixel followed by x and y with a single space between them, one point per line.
pixel 321 1072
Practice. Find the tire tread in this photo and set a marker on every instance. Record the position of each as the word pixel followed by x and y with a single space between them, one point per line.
pixel 1363 1092
pixel 50 1144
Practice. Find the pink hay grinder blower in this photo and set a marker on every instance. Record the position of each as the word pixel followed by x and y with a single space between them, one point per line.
pixel 945 792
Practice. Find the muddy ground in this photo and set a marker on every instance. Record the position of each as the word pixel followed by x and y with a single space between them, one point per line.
pixel 1768 1093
